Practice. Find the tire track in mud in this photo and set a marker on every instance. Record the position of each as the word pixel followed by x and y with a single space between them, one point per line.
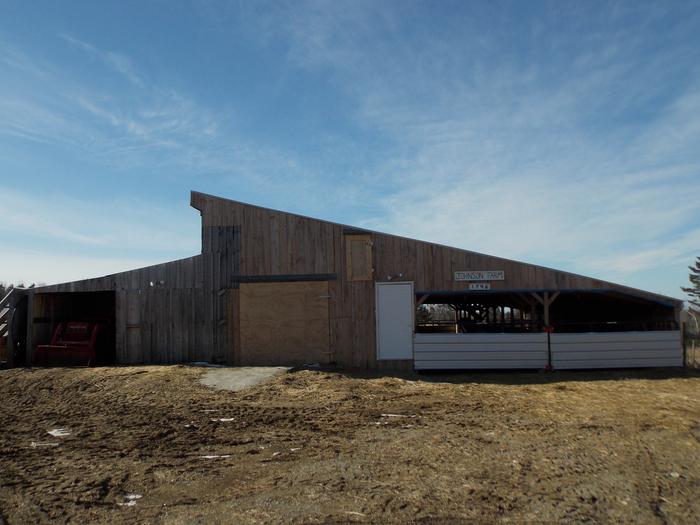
pixel 318 446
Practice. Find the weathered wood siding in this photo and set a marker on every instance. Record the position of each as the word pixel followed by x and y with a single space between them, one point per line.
pixel 188 309
pixel 275 243
pixel 167 313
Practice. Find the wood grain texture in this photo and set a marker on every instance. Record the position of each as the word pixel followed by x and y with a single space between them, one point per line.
pixel 358 252
pixel 188 309
pixel 284 323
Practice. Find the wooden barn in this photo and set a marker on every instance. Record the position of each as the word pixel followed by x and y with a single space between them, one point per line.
pixel 275 288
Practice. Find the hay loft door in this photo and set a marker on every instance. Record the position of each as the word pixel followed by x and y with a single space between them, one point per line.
pixel 395 310
pixel 284 323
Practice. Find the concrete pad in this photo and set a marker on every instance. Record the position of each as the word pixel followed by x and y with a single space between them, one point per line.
pixel 238 378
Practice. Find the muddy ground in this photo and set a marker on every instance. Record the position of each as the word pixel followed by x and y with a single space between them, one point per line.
pixel 321 447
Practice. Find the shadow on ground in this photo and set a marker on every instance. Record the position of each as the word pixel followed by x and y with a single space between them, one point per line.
pixel 519 377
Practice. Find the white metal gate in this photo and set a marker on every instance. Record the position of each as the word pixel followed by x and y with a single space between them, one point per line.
pixel 616 350
pixel 530 350
pixel 395 309
pixel 480 351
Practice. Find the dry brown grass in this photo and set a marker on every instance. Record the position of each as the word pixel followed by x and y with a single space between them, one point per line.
pixel 323 447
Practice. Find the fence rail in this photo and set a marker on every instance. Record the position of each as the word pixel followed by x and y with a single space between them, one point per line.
pixel 465 326
pixel 691 344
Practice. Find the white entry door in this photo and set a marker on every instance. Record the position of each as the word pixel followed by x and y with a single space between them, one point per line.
pixel 395 309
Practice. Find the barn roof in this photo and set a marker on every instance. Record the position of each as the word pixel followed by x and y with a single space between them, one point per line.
pixel 198 200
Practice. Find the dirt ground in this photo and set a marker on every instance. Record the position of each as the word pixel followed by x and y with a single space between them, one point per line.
pixel 152 445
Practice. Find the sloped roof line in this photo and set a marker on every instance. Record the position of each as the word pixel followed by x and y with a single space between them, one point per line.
pixel 635 291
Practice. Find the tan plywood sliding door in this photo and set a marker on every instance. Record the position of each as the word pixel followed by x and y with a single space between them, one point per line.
pixel 284 323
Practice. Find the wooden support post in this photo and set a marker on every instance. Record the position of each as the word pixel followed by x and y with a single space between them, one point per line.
pixel 10 337
pixel 29 345
pixel 548 300
pixel 527 301
pixel 683 344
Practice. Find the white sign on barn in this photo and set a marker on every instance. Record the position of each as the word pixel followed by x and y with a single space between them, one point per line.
pixel 479 286
pixel 480 275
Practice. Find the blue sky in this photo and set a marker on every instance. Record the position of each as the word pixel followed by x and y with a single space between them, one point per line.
pixel 560 133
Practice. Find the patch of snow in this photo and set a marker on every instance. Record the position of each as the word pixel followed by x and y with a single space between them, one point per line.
pixel 130 500
pixel 35 444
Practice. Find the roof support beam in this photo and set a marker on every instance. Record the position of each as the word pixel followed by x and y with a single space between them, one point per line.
pixel 538 297
pixel 548 300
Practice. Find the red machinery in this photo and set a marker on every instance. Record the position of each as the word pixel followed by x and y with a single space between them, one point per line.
pixel 72 343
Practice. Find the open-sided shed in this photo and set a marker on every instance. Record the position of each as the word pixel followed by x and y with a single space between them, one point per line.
pixel 276 288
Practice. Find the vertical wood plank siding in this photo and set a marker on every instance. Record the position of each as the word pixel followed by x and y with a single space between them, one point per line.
pixel 190 311
pixel 183 316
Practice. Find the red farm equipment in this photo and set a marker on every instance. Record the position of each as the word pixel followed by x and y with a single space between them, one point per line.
pixel 72 344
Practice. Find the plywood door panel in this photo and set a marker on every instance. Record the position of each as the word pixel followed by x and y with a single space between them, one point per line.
pixel 284 323
pixel 359 257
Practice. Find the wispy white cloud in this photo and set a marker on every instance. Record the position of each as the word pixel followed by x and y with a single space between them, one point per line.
pixel 116 61
pixel 151 126
pixel 571 142
pixel 582 157
pixel 65 109
pixel 115 225
pixel 13 58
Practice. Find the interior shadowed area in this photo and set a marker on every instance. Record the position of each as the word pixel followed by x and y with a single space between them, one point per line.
pixel 532 310
pixel 74 328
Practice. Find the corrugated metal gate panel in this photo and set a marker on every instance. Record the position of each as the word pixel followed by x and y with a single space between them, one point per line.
pixel 479 351
pixel 616 350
